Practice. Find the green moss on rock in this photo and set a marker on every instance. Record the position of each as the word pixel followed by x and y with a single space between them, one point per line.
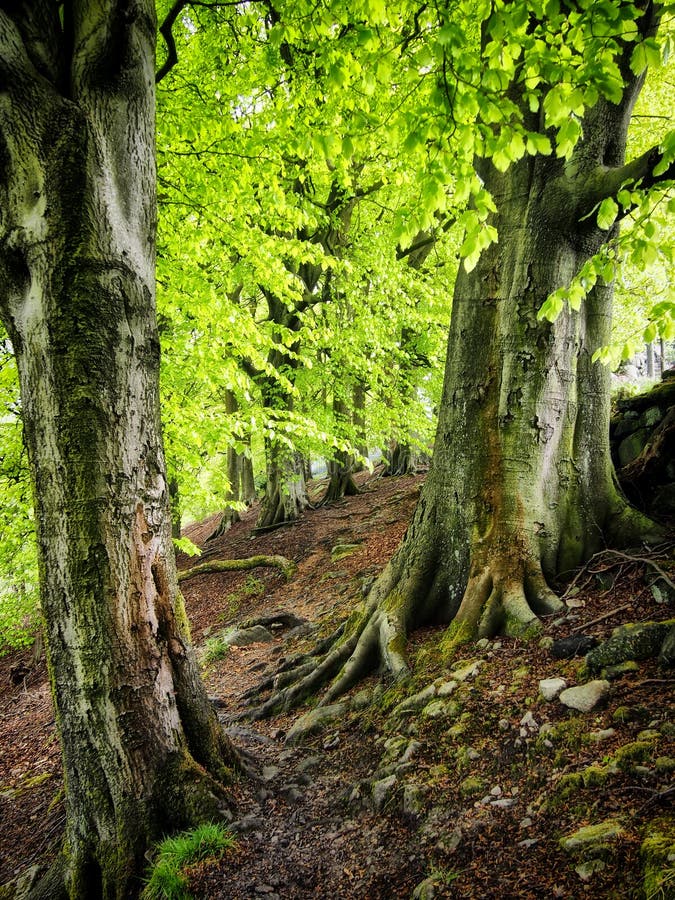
pixel 658 858
pixel 593 841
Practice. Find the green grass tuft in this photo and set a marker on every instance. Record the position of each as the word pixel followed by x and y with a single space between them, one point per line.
pixel 167 879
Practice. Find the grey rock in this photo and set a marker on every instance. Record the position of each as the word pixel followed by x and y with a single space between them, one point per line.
pixel 446 688
pixel 632 446
pixel 270 772
pixel 314 721
pixel 574 645
pixel 630 642
pixel 383 791
pixel 411 750
pixel 603 735
pixel 592 841
pixel 585 697
pixel 362 699
pixel 416 701
pixel 503 802
pixel 550 688
pixel 413 800
pixel 468 670
pixel 242 637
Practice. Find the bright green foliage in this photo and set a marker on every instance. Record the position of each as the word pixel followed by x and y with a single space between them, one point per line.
pixel 18 552
pixel 318 183
pixel 167 880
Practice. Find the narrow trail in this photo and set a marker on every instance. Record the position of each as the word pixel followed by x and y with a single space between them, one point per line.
pixel 465 779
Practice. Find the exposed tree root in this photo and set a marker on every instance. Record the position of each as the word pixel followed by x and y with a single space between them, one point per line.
pixel 287 566
pixel 375 638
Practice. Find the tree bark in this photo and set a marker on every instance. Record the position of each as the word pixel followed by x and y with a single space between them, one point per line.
pixel 142 749
pixel 521 487
pixel 240 478
pixel 341 468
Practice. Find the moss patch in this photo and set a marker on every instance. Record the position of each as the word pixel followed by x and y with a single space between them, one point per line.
pixel 658 858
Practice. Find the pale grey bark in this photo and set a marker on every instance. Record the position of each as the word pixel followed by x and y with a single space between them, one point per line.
pixel 77 232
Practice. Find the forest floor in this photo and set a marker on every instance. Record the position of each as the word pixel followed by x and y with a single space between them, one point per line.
pixel 468 788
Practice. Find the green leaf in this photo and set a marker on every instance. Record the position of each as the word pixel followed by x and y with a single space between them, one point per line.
pixel 607 213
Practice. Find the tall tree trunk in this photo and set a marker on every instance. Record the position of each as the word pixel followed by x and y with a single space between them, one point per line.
pixel 239 477
pixel 142 750
pixel 521 487
pixel 286 490
pixel 340 469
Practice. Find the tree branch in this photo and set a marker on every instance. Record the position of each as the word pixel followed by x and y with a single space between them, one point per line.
pixel 604 183
pixel 166 30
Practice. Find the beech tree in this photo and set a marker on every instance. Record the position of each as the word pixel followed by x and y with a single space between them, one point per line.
pixel 534 100
pixel 142 749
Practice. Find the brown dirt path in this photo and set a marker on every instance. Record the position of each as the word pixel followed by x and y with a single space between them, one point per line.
pixel 307 824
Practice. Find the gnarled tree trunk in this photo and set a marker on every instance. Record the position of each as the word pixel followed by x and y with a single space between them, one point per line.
pixel 142 750
pixel 521 487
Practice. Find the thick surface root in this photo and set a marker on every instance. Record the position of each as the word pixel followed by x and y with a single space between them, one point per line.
pixel 375 638
pixel 287 566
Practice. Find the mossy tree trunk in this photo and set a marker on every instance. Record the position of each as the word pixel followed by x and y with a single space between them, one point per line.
pixel 142 750
pixel 239 466
pixel 521 487
pixel 342 466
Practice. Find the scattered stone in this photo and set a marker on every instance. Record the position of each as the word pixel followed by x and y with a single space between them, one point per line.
pixel 503 802
pixel 415 701
pixel 525 823
pixel 603 735
pixel 315 720
pixel 504 725
pixel 496 791
pixel 649 734
pixel 667 653
pixel 630 642
pixel 528 842
pixel 471 786
pixel 242 637
pixel 248 823
pixel 468 670
pixel 585 697
pixel 383 791
pixel 413 800
pixel 550 688
pixel 592 841
pixel 310 762
pixel 270 772
pixel 342 551
pixel 362 699
pixel 332 742
pixel 427 889
pixel 291 793
pixel 586 870
pixel 438 708
pixel 528 724
pixel 411 750
pixel 575 645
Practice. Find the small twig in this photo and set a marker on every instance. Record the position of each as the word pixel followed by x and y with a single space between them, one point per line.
pixel 646 561
pixel 602 618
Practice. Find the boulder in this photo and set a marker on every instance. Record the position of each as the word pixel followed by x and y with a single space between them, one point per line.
pixel 585 697
pixel 628 642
